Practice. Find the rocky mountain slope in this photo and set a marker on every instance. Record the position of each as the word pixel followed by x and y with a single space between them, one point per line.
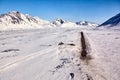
pixel 114 21
pixel 17 20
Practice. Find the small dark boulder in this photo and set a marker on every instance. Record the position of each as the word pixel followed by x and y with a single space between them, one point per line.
pixel 72 75
pixel 61 43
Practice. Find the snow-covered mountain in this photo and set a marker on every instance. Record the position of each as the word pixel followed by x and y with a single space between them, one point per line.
pixel 63 23
pixel 86 23
pixel 57 22
pixel 112 22
pixel 16 19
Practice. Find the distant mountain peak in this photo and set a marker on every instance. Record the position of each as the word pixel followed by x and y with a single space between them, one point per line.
pixel 12 12
pixel 87 23
pixel 58 22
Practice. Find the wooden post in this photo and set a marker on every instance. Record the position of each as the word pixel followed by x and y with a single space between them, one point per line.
pixel 83 45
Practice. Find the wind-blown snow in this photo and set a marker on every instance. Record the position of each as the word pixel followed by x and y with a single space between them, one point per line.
pixel 36 54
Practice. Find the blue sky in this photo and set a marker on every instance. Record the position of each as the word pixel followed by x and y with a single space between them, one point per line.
pixel 73 10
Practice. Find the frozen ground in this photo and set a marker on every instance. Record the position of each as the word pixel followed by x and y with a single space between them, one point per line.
pixel 37 54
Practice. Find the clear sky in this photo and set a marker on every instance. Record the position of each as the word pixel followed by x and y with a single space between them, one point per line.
pixel 73 10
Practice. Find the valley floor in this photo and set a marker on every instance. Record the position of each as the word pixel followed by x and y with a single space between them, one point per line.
pixel 38 54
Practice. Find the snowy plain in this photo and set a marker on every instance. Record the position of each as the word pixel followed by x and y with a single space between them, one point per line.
pixel 35 54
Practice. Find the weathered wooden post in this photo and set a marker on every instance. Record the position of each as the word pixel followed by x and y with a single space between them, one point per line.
pixel 83 45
